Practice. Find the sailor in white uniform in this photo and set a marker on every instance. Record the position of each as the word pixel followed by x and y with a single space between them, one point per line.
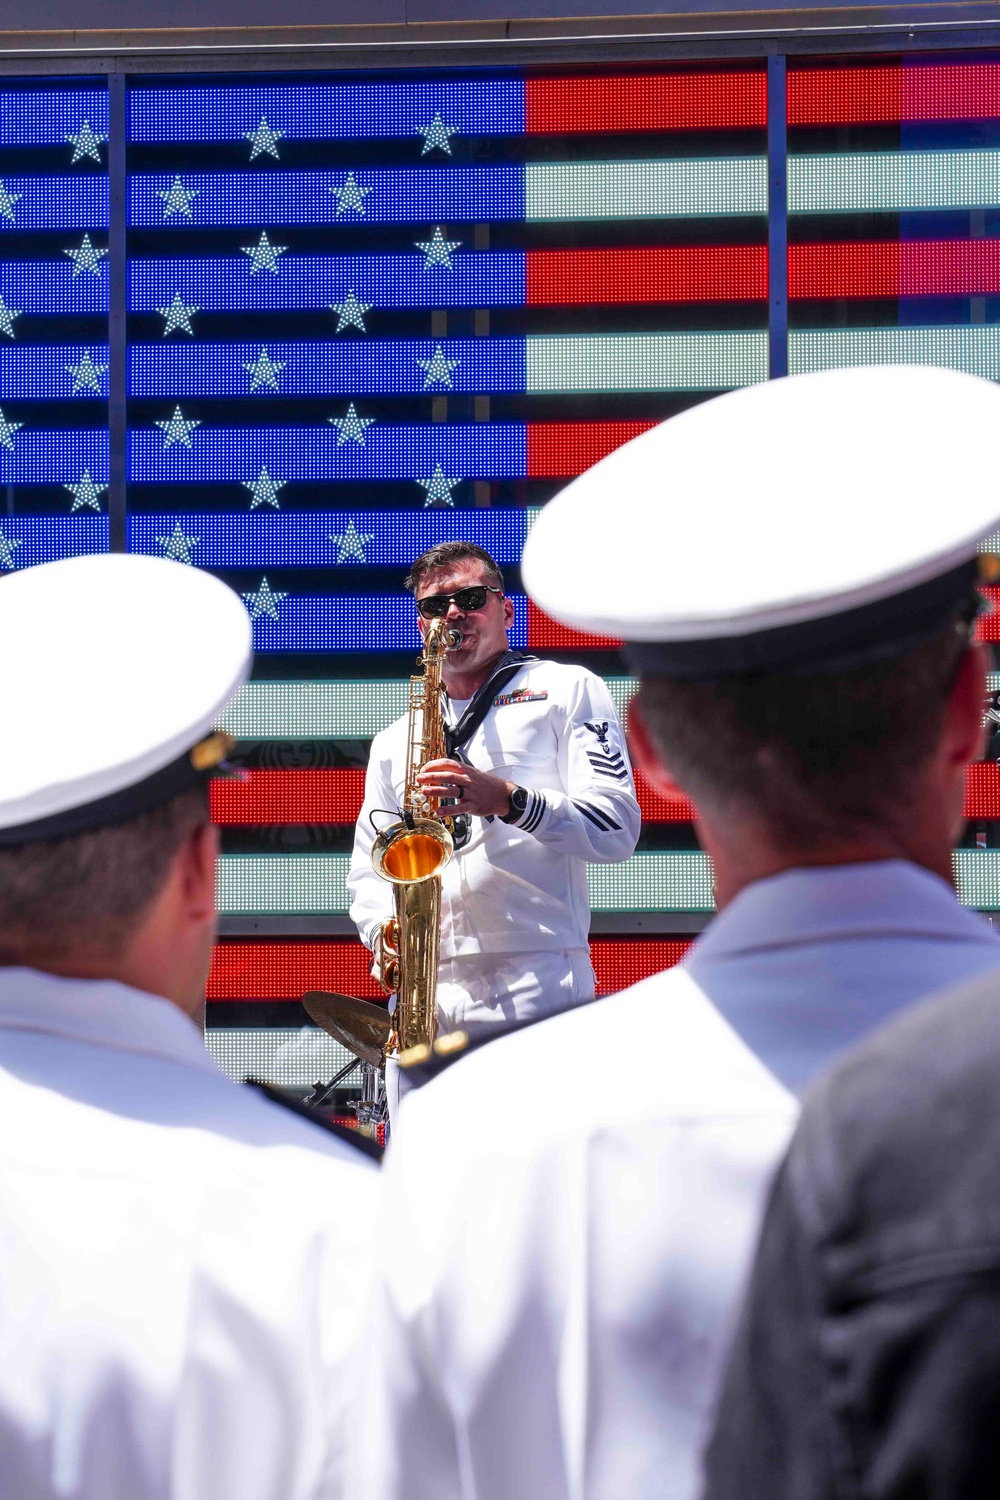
pixel 540 777
pixel 183 1264
pixel 569 1209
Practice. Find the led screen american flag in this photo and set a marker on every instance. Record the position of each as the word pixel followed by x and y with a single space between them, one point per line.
pixel 366 315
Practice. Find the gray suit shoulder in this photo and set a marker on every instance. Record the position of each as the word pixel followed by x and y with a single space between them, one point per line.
pixel 906 1119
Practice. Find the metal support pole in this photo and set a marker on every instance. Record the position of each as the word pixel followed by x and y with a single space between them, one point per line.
pixel 117 313
pixel 777 217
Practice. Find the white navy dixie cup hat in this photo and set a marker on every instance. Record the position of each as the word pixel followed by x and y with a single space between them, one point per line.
pixel 816 521
pixel 116 669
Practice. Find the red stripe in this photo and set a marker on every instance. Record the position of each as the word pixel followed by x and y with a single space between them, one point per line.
pixel 289 797
pixel 559 450
pixel 546 635
pixel 913 268
pixel 286 971
pixel 869 96
pixel 982 790
pixel 280 797
pixel 988 626
pixel 699 273
pixel 663 101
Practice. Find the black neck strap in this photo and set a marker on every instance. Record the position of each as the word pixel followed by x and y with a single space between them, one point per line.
pixel 507 668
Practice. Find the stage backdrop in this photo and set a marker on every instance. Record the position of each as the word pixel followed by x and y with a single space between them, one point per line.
pixel 347 319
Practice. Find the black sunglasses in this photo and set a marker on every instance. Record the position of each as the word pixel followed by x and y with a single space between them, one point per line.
pixel 435 606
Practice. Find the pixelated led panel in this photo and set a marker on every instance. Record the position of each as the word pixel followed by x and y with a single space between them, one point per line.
pixel 53 456
pixel 293 1057
pixel 510 278
pixel 315 884
pixel 719 100
pixel 449 195
pixel 287 971
pixel 894 92
pixel 301 796
pixel 977 877
pixel 53 117
pixel 465 450
pixel 27 540
pixel 982 790
pixel 681 101
pixel 412 451
pixel 893 182
pixel 336 710
pixel 283 621
pixel 536 364
pixel 308 795
pixel 50 287
pixel 54 202
pixel 545 634
pixel 976 350
pixel 45 372
pixel 645 362
pixel 892 268
pixel 311 539
pixel 646 189
pixel 988 625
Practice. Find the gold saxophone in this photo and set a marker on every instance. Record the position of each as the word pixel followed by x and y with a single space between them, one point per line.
pixel 411 855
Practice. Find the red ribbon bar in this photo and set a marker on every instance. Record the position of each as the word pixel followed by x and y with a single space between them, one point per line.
pixel 287 970
pixel 894 93
pixel 697 273
pixel 893 268
pixel 669 101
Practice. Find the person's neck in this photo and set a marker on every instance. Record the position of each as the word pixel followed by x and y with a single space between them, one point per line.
pixel 466 684
pixel 133 970
pixel 740 861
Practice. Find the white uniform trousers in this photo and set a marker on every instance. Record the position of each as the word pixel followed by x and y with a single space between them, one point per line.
pixel 481 990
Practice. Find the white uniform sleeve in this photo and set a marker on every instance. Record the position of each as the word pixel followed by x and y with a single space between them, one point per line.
pixel 370 896
pixel 594 815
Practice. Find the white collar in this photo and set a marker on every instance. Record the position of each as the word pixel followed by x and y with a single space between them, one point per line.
pixel 815 903
pixel 101 1012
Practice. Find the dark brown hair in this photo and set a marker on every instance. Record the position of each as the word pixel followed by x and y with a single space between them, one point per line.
pixel 813 754
pixel 446 553
pixel 88 893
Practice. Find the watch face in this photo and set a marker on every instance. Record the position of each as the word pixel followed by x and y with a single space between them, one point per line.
pixel 518 800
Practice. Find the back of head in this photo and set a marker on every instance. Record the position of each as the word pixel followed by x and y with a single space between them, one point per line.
pixel 799 608
pixel 813 755
pixel 104 769
pixel 85 895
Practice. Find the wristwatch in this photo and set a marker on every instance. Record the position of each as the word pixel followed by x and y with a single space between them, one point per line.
pixel 518 806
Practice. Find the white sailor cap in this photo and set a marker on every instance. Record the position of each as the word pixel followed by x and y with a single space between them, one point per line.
pixel 116 669
pixel 816 522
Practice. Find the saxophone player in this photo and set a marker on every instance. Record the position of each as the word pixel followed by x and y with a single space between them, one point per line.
pixel 539 778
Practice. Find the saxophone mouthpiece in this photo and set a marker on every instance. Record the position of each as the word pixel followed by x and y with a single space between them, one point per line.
pixel 454 639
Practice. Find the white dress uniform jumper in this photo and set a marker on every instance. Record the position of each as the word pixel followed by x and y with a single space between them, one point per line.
pixel 183 1264
pixel 555 1324
pixel 515 910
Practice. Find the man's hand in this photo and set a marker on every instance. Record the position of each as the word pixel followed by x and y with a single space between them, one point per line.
pixel 474 791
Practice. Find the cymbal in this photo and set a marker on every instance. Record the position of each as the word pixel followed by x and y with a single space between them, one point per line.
pixel 360 1026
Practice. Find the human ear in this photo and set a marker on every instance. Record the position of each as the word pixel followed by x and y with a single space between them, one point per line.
pixel 965 735
pixel 198 857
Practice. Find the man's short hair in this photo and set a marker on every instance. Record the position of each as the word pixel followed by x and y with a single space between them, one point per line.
pixel 813 754
pixel 87 894
pixel 447 553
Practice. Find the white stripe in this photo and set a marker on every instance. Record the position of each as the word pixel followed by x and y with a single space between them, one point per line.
pixel 645 189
